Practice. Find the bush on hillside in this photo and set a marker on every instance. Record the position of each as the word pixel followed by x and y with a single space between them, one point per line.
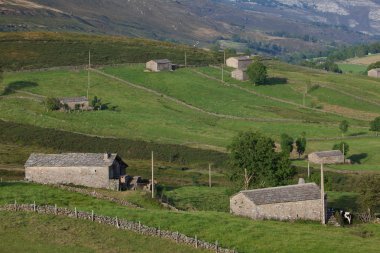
pixel 257 73
pixel 374 66
pixel 52 104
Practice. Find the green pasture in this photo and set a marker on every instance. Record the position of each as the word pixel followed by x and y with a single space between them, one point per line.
pixel 40 233
pixel 141 115
pixel 353 68
pixel 243 234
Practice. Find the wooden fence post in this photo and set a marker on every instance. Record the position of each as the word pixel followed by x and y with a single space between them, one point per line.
pixel 196 242
pixel 92 215
pixel 159 231
pixel 15 205
pixel 139 226
pixel 177 237
pixel 55 209
pixel 76 212
pixel 216 247
pixel 34 206
pixel 117 222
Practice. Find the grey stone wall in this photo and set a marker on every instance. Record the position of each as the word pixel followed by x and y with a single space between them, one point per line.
pixel 119 223
pixel 97 177
pixel 301 210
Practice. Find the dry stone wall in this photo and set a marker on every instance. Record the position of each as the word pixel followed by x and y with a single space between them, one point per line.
pixel 119 223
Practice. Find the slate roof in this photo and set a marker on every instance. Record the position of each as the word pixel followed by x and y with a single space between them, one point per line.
pixel 73 100
pixel 70 160
pixel 242 58
pixel 290 193
pixel 324 154
pixel 162 61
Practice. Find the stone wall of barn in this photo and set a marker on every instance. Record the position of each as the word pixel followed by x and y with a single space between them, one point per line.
pixel 302 210
pixel 374 73
pixel 97 177
pixel 239 74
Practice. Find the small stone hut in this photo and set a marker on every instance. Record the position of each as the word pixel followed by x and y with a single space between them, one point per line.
pixel 239 62
pixel 293 202
pixel 374 73
pixel 239 74
pixel 74 103
pixel 327 157
pixel 159 65
pixel 87 169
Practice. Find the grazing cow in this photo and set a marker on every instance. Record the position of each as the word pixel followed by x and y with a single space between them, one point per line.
pixel 346 216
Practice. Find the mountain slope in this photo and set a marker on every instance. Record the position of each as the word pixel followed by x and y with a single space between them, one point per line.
pixel 186 21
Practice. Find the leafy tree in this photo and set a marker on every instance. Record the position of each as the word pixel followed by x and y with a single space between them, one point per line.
pixel 369 189
pixel 287 143
pixel 257 72
pixel 301 145
pixel 254 161
pixel 375 125
pixel 343 126
pixel 52 104
pixel 374 66
pixel 96 103
pixel 343 146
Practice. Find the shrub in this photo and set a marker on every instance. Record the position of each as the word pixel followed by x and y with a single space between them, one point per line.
pixel 52 104
pixel 257 73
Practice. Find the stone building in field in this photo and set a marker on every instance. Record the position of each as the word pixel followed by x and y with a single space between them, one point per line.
pixel 87 169
pixel 239 62
pixel 374 73
pixel 159 65
pixel 293 202
pixel 239 74
pixel 75 103
pixel 327 157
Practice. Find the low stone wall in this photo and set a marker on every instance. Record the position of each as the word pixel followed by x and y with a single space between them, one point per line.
pixel 136 227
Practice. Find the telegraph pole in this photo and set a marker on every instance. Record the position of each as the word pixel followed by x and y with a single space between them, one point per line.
pixel 152 175
pixel 323 196
pixel 88 72
pixel 185 59
pixel 209 175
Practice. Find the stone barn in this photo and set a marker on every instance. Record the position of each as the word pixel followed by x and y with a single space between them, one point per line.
pixel 293 202
pixel 87 169
pixel 239 74
pixel 326 157
pixel 239 62
pixel 159 65
pixel 74 103
pixel 374 73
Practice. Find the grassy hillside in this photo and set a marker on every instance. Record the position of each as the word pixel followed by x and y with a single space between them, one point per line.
pixel 243 234
pixel 33 50
pixel 69 235
pixel 192 108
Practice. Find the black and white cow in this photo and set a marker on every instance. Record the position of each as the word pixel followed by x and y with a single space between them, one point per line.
pixel 347 216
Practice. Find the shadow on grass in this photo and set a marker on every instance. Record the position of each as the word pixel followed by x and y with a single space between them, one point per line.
pixel 357 158
pixel 358 134
pixel 14 86
pixel 276 81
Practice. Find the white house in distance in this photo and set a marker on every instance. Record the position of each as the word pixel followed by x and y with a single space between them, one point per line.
pixel 374 73
pixel 159 65
pixel 239 62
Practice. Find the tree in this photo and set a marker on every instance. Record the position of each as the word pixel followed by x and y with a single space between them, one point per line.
pixel 369 189
pixel 375 125
pixel 374 66
pixel 287 143
pixel 254 161
pixel 52 104
pixel 343 146
pixel 301 145
pixel 257 72
pixel 343 126
pixel 96 103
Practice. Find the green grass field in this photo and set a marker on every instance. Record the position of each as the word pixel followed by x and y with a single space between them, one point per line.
pixel 38 233
pixel 353 68
pixel 141 115
pixel 243 234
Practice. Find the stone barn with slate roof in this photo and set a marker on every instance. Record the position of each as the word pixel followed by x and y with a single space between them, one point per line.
pixel 91 170
pixel 72 102
pixel 159 65
pixel 239 62
pixel 293 202
pixel 326 157
pixel 374 73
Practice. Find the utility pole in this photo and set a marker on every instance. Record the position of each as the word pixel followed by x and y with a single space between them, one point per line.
pixel 224 62
pixel 308 169
pixel 323 196
pixel 223 73
pixel 152 175
pixel 185 59
pixel 344 156
pixel 88 72
pixel 209 175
